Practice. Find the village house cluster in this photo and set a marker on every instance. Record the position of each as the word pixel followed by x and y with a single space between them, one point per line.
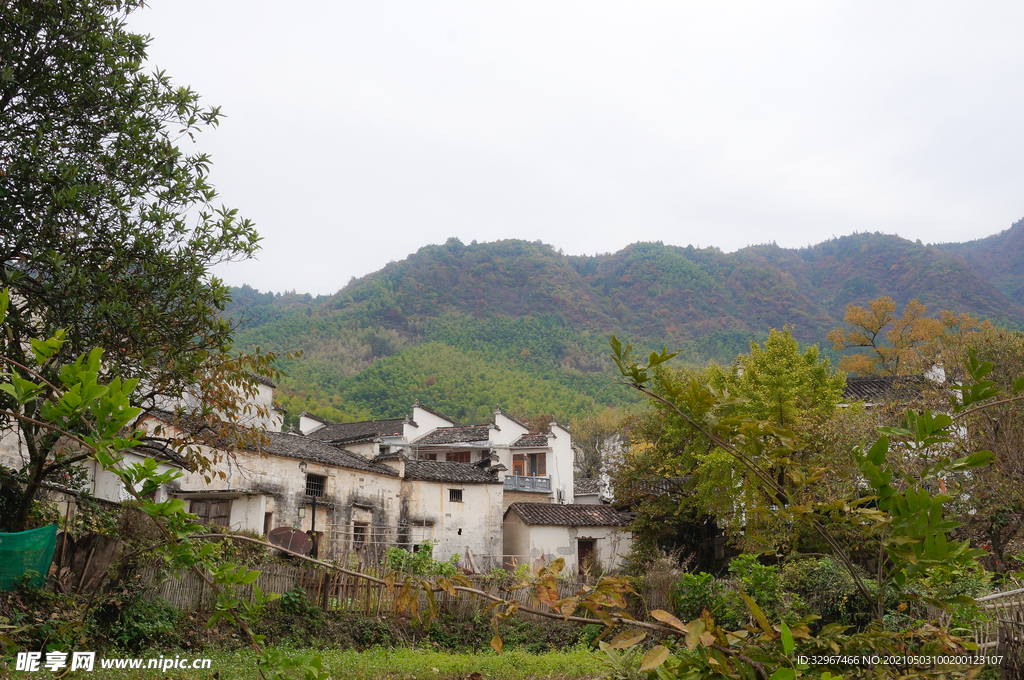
pixel 495 495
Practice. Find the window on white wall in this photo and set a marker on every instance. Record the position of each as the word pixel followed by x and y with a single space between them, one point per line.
pixel 315 485
pixel 455 495
pixel 212 512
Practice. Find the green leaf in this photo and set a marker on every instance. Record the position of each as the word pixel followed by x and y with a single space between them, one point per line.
pixel 784 674
pixel 876 454
pixel 787 638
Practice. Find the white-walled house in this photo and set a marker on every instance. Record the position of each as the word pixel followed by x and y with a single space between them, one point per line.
pixel 363 505
pixel 533 467
pixel 535 471
pixel 591 535
pixel 374 484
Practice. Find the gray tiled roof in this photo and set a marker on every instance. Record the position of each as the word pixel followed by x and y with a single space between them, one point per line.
pixel 883 388
pixel 288 446
pixel 303 448
pixel 435 471
pixel 161 450
pixel 641 489
pixel 530 441
pixel 455 435
pixel 263 380
pixel 364 429
pixel 587 486
pixel 568 515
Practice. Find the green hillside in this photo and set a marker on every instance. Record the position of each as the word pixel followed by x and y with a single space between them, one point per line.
pixel 463 328
pixel 998 258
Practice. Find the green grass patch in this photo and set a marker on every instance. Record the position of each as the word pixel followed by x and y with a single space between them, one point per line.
pixel 391 664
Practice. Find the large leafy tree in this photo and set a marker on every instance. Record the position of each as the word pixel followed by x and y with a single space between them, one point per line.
pixel 107 228
pixel 680 479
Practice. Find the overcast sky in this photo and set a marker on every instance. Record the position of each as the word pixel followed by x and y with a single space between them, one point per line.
pixel 357 132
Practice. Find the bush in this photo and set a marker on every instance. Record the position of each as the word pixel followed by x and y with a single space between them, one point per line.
pixel 296 603
pixel 694 593
pixel 825 588
pixel 761 582
pixel 422 561
pixel 143 624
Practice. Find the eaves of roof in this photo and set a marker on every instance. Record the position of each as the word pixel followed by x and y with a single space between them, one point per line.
pixel 434 471
pixel 550 514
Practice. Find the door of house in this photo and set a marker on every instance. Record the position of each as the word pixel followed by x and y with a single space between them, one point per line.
pixel 585 557
pixel 519 465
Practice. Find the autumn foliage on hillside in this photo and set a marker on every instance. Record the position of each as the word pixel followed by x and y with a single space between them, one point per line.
pixel 523 314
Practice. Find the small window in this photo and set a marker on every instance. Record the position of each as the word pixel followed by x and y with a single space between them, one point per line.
pixel 212 512
pixel 455 495
pixel 458 457
pixel 315 485
pixel 429 456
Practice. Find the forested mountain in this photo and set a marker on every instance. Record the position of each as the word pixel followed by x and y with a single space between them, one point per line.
pixel 463 328
pixel 997 258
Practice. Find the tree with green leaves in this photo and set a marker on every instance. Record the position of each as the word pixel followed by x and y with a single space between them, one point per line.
pixel 91 414
pixel 781 383
pixel 108 229
pixel 794 391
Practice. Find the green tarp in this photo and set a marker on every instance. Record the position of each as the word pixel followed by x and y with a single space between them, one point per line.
pixel 25 552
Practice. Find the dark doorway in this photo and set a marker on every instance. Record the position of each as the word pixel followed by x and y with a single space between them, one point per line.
pixel 585 549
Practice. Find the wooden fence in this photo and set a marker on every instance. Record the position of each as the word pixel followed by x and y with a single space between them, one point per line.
pixel 333 591
pixel 1005 606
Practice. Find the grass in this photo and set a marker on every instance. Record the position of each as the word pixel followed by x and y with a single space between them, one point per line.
pixel 392 664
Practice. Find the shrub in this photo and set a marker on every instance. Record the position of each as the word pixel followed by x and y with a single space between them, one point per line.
pixel 143 624
pixel 295 603
pixel 825 588
pixel 761 582
pixel 694 593
pixel 422 561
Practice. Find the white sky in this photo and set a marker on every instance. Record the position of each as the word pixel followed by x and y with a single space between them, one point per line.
pixel 358 132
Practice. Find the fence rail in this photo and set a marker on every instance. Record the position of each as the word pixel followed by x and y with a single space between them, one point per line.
pixel 1005 606
pixel 333 591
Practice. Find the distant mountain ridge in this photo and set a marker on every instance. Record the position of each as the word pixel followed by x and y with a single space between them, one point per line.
pixel 514 313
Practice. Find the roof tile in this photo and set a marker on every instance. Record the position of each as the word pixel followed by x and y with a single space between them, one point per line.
pixel 455 435
pixel 287 446
pixel 568 515
pixel 364 429
pixel 587 486
pixel 530 441
pixel 883 388
pixel 435 471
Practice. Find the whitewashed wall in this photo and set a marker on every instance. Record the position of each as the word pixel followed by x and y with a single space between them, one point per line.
pixel 525 543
